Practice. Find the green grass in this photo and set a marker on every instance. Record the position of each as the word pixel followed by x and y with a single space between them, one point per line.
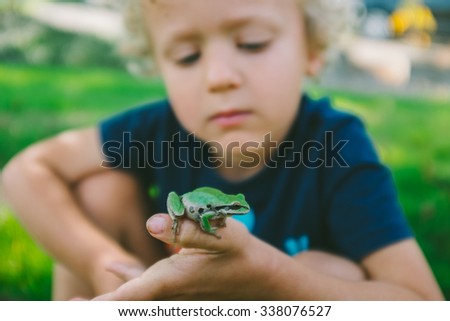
pixel 409 132
pixel 36 102
pixel 24 268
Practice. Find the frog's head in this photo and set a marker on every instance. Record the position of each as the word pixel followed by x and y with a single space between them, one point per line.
pixel 235 205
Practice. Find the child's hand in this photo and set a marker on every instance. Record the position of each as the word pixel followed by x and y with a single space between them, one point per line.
pixel 122 267
pixel 240 266
pixel 233 267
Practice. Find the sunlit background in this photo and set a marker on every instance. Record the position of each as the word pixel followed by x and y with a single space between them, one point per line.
pixel 60 68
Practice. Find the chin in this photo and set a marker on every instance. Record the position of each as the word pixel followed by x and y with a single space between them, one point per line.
pixel 241 138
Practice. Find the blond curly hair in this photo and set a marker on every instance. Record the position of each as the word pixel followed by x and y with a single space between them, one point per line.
pixel 327 24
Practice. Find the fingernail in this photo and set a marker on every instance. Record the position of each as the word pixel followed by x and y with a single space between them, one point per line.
pixel 156 224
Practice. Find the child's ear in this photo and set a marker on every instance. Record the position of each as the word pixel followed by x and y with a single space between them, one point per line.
pixel 315 63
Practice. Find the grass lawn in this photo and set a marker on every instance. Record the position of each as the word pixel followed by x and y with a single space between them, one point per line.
pixel 36 102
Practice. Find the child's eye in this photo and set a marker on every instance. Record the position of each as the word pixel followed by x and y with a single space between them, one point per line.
pixel 189 59
pixel 253 46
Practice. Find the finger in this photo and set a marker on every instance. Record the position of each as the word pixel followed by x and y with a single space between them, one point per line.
pixel 111 296
pixel 125 272
pixel 134 290
pixel 191 236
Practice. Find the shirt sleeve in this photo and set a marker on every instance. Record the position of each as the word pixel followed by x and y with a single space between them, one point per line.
pixel 364 213
pixel 128 138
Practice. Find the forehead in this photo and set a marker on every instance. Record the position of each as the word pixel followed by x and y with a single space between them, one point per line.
pixel 176 15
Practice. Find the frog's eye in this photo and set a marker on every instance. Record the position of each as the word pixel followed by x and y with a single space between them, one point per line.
pixel 200 210
pixel 191 209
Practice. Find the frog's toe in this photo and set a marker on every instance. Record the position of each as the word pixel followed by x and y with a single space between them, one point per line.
pixel 211 230
pixel 175 229
pixel 214 232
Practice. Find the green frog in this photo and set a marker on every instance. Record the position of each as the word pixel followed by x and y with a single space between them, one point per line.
pixel 207 206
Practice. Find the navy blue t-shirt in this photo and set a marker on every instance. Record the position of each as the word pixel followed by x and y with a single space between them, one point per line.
pixel 324 189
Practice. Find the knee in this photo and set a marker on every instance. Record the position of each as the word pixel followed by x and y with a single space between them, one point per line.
pixel 106 197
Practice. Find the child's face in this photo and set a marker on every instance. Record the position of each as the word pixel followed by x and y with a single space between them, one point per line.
pixel 233 69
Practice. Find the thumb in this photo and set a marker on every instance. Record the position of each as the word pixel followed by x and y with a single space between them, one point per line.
pixel 191 235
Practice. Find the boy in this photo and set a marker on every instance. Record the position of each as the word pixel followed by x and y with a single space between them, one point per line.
pixel 234 71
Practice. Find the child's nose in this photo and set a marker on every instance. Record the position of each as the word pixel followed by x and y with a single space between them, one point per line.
pixel 222 73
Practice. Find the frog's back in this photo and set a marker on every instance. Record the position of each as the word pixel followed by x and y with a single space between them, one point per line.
pixel 210 195
pixel 207 194
pixel 208 190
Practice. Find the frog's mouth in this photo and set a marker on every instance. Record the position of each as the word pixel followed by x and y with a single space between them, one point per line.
pixel 233 208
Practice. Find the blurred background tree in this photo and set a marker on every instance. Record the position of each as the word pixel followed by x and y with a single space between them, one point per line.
pixel 29 41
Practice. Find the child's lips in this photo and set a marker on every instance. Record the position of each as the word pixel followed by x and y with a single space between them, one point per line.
pixel 230 118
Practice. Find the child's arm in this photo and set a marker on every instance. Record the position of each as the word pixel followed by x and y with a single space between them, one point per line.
pixel 38 184
pixel 240 266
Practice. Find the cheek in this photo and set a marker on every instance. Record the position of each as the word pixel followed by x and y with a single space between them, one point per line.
pixel 279 88
pixel 183 95
pixel 280 71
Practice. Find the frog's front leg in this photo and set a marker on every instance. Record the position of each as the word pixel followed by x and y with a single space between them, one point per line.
pixel 176 209
pixel 220 220
pixel 222 215
pixel 206 225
